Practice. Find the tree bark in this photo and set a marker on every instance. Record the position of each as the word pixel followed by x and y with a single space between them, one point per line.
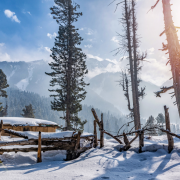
pixel 173 48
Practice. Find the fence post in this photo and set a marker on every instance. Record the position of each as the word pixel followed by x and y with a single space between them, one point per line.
pixel 170 138
pixel 95 133
pixel 39 157
pixel 101 132
pixel 1 127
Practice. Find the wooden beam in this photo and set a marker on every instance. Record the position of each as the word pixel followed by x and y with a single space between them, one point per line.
pixel 101 132
pixel 15 133
pixel 22 143
pixel 118 140
pixel 95 116
pixel 1 128
pixel 95 133
pixel 39 156
pixel 170 138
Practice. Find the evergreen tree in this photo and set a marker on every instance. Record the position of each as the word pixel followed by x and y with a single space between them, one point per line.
pixel 3 85
pixel 151 124
pixel 28 112
pixel 68 65
pixel 160 119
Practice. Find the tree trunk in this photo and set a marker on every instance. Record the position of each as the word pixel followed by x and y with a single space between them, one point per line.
pixel 1 127
pixel 133 83
pixel 173 48
pixel 69 70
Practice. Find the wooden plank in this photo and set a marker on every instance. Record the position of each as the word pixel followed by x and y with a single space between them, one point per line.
pixel 101 132
pixel 170 138
pixel 1 128
pixel 95 133
pixel 39 156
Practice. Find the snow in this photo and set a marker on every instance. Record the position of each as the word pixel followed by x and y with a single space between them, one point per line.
pixel 97 164
pixel 26 121
pixel 34 135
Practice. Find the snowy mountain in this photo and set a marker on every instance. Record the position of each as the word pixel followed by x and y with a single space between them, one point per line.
pixel 104 91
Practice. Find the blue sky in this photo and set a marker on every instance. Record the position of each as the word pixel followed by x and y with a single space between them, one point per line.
pixel 27 32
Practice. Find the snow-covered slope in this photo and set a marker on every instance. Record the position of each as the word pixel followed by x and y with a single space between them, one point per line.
pixel 25 121
pixel 97 164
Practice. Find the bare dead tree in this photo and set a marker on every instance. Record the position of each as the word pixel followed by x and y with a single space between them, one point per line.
pixel 173 48
pixel 129 44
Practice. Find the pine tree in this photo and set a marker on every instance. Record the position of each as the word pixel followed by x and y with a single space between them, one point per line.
pixel 68 65
pixel 3 85
pixel 28 112
pixel 150 124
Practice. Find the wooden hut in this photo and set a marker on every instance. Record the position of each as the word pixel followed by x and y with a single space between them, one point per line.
pixel 28 124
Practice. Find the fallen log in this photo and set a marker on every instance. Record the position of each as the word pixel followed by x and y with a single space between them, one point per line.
pixel 36 149
pixel 22 143
pixel 15 133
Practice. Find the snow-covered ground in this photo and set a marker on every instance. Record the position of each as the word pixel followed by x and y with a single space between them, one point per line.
pixel 97 164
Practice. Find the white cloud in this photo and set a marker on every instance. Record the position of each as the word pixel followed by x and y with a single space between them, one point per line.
pixel 51 35
pixel 151 51
pixel 88 46
pixel 11 15
pixel 1 44
pixel 29 13
pixel 114 39
pixel 94 57
pixel 90 32
pixel 47 49
pixel 81 29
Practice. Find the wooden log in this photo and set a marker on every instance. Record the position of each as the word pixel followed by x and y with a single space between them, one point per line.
pixel 39 156
pixel 95 116
pixel 118 140
pixel 172 134
pixel 15 133
pixel 95 134
pixel 141 141
pixel 1 128
pixel 77 146
pixel 22 143
pixel 169 137
pixel 126 141
pixel 101 132
pixel 32 149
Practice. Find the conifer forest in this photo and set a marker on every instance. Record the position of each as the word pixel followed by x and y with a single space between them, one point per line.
pixel 90 89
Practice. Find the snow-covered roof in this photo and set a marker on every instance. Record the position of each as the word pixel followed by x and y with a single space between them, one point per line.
pixel 15 121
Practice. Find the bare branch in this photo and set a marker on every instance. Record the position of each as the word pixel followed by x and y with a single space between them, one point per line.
pixel 163 90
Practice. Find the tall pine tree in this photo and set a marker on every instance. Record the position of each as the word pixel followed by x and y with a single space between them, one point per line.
pixel 68 65
pixel 3 85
